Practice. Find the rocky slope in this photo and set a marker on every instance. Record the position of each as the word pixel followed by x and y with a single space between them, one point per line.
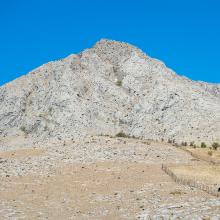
pixel 109 88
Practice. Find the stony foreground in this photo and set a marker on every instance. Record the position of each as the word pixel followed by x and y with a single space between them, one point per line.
pixel 97 178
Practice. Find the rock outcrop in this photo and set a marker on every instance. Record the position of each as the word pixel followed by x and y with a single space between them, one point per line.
pixel 109 88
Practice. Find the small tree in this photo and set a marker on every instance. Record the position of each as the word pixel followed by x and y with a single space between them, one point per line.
pixel 215 145
pixel 192 143
pixel 184 144
pixel 203 145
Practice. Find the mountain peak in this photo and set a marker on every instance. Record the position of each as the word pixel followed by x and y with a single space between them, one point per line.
pixel 109 88
pixel 116 51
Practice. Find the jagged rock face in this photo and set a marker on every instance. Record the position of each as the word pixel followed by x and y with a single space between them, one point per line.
pixel 109 88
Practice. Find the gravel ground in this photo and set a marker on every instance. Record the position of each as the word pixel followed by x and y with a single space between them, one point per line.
pixel 97 178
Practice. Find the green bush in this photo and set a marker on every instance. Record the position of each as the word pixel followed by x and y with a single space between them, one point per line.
pixel 50 110
pixel 184 144
pixel 203 145
pixel 121 134
pixel 170 141
pixel 215 145
pixel 23 128
pixel 118 83
pixel 192 144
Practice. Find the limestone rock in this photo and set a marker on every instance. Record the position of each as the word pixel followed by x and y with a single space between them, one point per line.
pixel 109 88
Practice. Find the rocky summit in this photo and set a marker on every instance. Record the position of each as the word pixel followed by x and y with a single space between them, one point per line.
pixel 112 87
pixel 81 138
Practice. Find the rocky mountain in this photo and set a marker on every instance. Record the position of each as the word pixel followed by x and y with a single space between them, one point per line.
pixel 109 88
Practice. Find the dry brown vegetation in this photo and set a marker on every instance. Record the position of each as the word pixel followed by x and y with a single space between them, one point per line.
pixel 206 154
pixel 204 173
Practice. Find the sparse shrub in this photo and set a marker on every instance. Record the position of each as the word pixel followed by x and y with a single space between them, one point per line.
pixel 118 83
pixel 170 141
pixel 184 144
pixel 23 129
pixel 50 110
pixel 174 193
pixel 203 145
pixel 121 134
pixel 215 145
pixel 192 144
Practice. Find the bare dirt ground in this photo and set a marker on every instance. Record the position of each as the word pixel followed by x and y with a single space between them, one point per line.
pixel 97 178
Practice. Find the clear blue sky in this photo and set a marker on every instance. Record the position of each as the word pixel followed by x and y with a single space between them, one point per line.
pixel 185 34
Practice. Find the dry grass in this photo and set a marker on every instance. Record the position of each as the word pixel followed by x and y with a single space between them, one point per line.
pixel 206 154
pixel 204 173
